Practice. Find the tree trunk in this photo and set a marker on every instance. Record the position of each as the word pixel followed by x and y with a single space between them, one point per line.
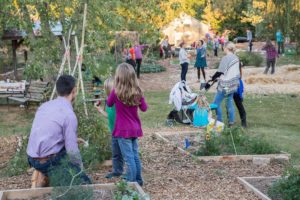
pixel 14 49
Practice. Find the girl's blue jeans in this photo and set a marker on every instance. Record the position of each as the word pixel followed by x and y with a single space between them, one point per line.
pixel 229 106
pixel 130 153
pixel 117 158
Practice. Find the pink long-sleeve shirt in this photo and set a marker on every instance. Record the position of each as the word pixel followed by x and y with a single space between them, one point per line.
pixel 138 51
pixel 128 123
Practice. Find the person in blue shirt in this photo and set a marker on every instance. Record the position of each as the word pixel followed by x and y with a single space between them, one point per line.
pixel 279 40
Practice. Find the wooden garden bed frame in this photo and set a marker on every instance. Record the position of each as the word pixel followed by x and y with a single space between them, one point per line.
pixel 282 155
pixel 37 192
pixel 250 188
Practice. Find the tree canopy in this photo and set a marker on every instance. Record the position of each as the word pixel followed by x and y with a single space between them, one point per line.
pixel 105 18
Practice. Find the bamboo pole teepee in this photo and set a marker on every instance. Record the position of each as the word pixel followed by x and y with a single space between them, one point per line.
pixel 78 63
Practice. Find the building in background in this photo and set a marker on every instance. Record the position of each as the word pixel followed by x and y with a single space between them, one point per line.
pixel 185 28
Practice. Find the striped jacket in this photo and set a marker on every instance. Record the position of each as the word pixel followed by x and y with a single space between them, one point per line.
pixel 229 81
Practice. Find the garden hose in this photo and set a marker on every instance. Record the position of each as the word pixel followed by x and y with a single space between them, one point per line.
pixel 233 143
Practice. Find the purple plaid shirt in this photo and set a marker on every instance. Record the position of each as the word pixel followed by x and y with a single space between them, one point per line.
pixel 54 128
pixel 271 52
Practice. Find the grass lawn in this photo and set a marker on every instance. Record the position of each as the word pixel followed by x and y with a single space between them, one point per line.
pixel 286 60
pixel 14 120
pixel 276 117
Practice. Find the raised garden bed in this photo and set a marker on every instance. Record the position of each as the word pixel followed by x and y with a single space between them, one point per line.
pixel 97 191
pixel 196 140
pixel 259 185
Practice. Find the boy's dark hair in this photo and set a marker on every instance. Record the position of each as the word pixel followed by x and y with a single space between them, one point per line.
pixel 65 85
pixel 202 42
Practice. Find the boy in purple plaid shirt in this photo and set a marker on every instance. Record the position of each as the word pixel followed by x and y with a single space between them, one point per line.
pixel 271 54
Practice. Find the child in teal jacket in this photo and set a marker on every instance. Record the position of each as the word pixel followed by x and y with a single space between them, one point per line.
pixel 202 111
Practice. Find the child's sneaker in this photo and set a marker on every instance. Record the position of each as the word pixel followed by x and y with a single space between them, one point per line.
pixel 111 175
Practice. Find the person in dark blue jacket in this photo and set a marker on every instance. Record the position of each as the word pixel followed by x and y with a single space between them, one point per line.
pixel 238 100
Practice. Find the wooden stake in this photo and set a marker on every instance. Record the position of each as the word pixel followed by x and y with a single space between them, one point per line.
pixel 67 52
pixel 61 69
pixel 80 61
pixel 65 58
pixel 69 49
pixel 77 56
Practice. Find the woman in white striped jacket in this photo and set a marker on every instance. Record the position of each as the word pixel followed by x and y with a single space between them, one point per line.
pixel 228 74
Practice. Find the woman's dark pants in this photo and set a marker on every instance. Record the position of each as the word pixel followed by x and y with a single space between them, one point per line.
pixel 184 69
pixel 138 69
pixel 239 104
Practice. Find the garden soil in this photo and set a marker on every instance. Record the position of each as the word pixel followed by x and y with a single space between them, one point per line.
pixel 8 146
pixel 262 185
pixel 169 174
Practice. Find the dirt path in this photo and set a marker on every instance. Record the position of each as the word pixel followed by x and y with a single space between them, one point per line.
pixel 170 175
pixel 285 81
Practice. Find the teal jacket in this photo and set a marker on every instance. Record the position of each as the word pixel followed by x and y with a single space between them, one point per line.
pixel 200 115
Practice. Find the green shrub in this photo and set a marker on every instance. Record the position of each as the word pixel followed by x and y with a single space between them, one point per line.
pixel 258 145
pixel 288 187
pixel 250 58
pixel 124 192
pixel 152 68
pixel 94 129
pixel 18 164
pixel 34 72
pixel 243 143
pixel 211 147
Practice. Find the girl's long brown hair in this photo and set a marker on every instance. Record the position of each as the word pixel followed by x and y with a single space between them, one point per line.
pixel 127 86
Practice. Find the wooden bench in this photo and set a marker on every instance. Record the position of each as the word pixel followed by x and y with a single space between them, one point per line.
pixel 94 92
pixel 36 92
pixel 12 89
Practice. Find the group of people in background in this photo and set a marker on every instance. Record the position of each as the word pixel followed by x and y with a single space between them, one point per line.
pixel 229 73
pixel 214 41
pixel 132 55
pixel 230 85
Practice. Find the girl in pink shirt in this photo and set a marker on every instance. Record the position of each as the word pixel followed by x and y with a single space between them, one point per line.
pixel 127 97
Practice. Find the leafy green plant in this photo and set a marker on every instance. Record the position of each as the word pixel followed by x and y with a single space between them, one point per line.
pixel 258 145
pixel 152 68
pixel 288 187
pixel 124 192
pixel 250 58
pixel 66 182
pixel 212 145
pixel 34 72
pixel 93 129
pixel 18 164
pixel 244 144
